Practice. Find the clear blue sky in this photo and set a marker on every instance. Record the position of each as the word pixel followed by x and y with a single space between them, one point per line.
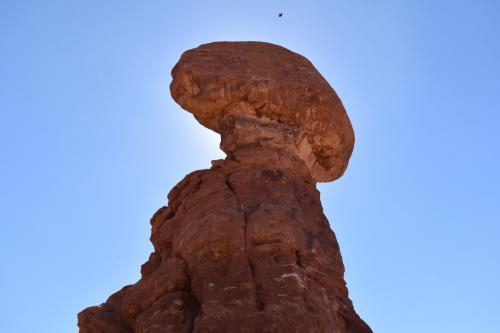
pixel 91 143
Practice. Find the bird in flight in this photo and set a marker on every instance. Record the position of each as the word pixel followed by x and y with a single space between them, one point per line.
pixel 280 14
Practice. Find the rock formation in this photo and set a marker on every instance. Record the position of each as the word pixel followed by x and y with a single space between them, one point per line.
pixel 244 246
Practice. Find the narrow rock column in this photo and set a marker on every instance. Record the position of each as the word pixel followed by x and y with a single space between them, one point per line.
pixel 245 246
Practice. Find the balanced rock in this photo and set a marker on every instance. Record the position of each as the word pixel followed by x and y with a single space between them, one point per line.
pixel 244 246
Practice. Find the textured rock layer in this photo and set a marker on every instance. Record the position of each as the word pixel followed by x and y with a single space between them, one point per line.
pixel 245 246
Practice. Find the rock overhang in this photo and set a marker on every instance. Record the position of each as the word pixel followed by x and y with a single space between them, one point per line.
pixel 267 83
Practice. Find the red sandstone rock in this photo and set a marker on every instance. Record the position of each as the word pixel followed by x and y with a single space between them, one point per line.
pixel 270 83
pixel 245 246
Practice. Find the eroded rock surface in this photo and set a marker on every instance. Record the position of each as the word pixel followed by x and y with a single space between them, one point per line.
pixel 245 246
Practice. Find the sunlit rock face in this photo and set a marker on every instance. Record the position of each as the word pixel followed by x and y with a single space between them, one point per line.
pixel 244 246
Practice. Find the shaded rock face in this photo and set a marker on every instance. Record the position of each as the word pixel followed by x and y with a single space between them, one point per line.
pixel 245 246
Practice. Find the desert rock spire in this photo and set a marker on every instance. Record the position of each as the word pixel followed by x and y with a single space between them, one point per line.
pixel 244 246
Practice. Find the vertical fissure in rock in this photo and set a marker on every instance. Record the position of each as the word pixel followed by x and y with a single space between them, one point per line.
pixel 245 220
pixel 196 305
pixel 259 303
pixel 196 308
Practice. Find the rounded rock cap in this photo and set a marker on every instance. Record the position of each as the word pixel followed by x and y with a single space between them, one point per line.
pixel 273 83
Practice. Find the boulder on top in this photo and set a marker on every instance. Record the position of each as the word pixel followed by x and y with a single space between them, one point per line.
pixel 270 83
